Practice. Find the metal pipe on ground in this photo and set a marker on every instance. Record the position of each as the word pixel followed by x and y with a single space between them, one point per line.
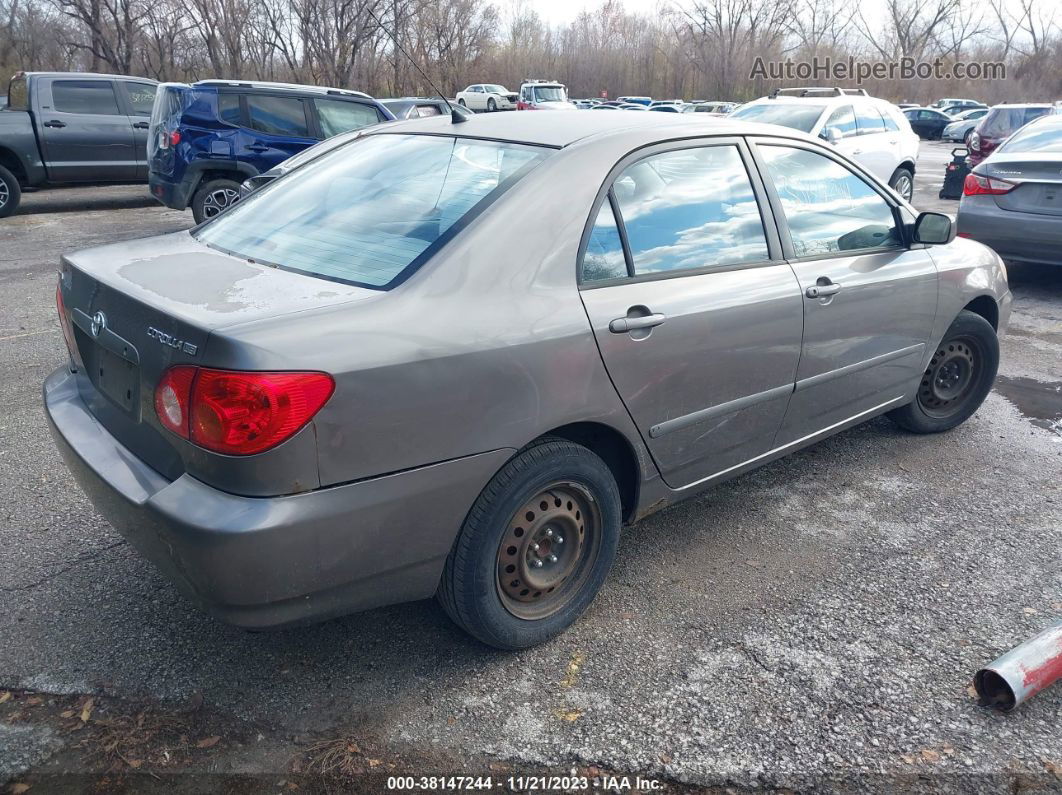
pixel 1023 671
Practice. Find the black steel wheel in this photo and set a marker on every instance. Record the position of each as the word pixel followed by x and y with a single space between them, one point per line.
pixel 535 548
pixel 959 377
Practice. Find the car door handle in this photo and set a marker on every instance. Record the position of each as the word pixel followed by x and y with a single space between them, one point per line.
pixel 857 151
pixel 258 147
pixel 141 125
pixel 823 290
pixel 54 123
pixel 622 325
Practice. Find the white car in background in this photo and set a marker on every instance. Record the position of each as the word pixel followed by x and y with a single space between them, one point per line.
pixel 487 96
pixel 870 131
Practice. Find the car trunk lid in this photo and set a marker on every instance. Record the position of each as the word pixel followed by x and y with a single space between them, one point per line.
pixel 137 308
pixel 1039 182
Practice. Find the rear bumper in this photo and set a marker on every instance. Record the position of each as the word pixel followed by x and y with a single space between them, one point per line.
pixel 174 194
pixel 1015 236
pixel 266 562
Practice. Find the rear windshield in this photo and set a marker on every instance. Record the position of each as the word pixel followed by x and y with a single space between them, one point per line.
pixel 798 117
pixel 1044 136
pixel 370 212
pixel 18 94
pixel 1001 122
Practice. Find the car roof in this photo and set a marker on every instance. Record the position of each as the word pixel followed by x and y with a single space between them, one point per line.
pixel 1023 105
pixel 559 129
pixel 78 75
pixel 283 87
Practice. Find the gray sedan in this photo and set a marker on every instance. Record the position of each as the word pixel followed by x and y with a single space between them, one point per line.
pixel 1012 201
pixel 359 387
pixel 962 128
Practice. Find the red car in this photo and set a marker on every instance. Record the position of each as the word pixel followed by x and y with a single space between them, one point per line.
pixel 1000 123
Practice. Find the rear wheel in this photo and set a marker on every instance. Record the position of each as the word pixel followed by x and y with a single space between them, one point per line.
pixel 903 183
pixel 535 548
pixel 213 197
pixel 10 193
pixel 957 380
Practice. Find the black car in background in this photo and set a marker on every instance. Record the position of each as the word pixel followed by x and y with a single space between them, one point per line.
pixel 928 123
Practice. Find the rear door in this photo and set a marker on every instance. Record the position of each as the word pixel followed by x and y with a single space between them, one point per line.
pixel 85 133
pixel 872 148
pixel 697 317
pixel 138 99
pixel 279 125
pixel 869 300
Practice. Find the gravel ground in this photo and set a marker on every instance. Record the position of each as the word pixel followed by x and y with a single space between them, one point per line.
pixel 811 625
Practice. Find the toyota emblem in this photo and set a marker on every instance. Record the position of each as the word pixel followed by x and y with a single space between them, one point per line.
pixel 99 323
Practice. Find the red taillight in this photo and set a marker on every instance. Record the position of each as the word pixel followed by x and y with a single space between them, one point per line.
pixel 976 185
pixel 175 137
pixel 239 413
pixel 64 323
pixel 172 396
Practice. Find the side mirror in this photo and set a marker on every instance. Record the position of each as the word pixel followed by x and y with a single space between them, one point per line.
pixel 933 229
pixel 832 134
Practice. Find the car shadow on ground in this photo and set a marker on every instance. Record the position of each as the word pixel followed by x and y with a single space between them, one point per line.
pixel 83 200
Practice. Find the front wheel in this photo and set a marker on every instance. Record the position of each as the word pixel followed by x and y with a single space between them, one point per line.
pixel 10 193
pixel 213 197
pixel 535 548
pixel 903 183
pixel 491 105
pixel 959 377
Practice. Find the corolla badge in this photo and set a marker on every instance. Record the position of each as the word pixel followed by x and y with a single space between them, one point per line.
pixel 172 341
pixel 99 323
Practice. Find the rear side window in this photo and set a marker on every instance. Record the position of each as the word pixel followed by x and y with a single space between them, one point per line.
pixel 689 209
pixel 336 116
pixel 84 96
pixel 141 97
pixel 18 94
pixel 277 115
pixel 370 212
pixel 229 109
pixel 827 207
pixel 890 122
pixel 604 250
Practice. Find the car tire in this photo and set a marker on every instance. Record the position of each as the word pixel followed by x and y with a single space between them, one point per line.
pixel 491 105
pixel 213 197
pixel 966 138
pixel 535 548
pixel 461 102
pixel 959 377
pixel 902 181
pixel 10 193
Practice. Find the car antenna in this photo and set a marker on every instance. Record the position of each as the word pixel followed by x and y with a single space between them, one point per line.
pixel 455 116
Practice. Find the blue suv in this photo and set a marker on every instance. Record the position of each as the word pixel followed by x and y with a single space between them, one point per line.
pixel 207 137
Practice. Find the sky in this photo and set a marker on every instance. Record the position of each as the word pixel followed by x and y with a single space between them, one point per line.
pixel 560 12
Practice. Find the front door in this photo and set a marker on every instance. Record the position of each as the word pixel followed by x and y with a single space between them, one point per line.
pixel 87 136
pixel 697 317
pixel 869 299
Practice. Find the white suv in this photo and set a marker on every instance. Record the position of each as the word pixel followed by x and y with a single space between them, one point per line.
pixel 488 97
pixel 872 132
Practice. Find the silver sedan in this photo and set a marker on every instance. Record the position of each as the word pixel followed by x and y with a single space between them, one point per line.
pixel 453 359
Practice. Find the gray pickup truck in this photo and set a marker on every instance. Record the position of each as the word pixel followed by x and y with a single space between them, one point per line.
pixel 65 128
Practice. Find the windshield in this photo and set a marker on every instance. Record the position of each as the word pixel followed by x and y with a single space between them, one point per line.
pixel 799 117
pixel 496 89
pixel 370 213
pixel 550 94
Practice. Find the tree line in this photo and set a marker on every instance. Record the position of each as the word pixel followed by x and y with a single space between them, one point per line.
pixel 687 49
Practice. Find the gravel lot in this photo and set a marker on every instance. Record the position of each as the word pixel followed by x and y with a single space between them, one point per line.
pixel 813 624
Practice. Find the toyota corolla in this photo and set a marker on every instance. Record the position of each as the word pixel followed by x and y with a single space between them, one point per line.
pixel 453 359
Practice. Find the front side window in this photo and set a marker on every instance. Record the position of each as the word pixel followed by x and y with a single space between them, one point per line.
pixel 843 119
pixel 688 209
pixel 336 116
pixel 85 96
pixel 277 115
pixel 828 207
pixel 604 250
pixel 369 212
